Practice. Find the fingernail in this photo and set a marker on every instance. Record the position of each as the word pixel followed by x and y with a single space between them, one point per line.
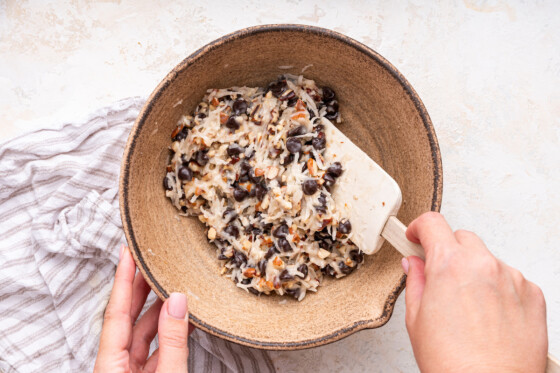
pixel 405 264
pixel 122 251
pixel 177 306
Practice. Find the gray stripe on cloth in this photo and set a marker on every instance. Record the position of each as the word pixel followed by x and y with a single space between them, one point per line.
pixel 60 229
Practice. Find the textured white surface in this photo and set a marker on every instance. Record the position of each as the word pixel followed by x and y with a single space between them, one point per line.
pixel 487 72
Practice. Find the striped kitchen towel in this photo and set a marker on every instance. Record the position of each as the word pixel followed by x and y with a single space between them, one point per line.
pixel 60 231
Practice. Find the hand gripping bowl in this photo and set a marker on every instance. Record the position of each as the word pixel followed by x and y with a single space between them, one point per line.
pixel 381 114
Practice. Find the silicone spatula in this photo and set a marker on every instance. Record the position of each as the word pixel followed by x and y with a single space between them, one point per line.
pixel 371 199
pixel 368 196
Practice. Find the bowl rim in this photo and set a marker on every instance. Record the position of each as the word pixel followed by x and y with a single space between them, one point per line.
pixel 147 108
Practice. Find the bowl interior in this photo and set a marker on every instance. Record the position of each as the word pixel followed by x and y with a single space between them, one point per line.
pixel 381 114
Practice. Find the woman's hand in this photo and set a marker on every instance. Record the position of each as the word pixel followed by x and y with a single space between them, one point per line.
pixel 125 342
pixel 467 310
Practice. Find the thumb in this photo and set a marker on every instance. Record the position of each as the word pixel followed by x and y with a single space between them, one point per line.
pixel 173 332
pixel 415 280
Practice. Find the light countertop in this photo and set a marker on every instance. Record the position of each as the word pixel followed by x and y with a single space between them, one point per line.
pixel 487 71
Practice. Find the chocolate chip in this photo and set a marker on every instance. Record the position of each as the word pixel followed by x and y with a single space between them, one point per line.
pixel 222 255
pixel 345 227
pixel 328 94
pixel 240 194
pixel 166 183
pixel 201 157
pixel 239 258
pixel 293 145
pixel 345 269
pixel 295 292
pixel 232 124
pixel 185 173
pixel 234 150
pixel 357 256
pixel 335 169
pixel 246 281
pixel 245 168
pixel 332 110
pixel 310 187
pixel 232 231
pixel 318 128
pixel 311 113
pixel 285 275
pixel 328 270
pixel 288 159
pixel 240 106
pixel 184 209
pixel 260 190
pixel 271 252
pixel 297 131
pixel 277 88
pixel 303 269
pixel 329 180
pixel 182 134
pixel 281 231
pixel 254 291
pixel 229 215
pixel 292 101
pixel 262 267
pixel 284 245
pixel 319 143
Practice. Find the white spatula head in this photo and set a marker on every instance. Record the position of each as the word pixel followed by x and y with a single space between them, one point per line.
pixel 364 192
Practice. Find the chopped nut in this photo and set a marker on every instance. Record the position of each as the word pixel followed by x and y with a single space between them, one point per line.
pixel 176 131
pixel 284 178
pixel 249 272
pixel 223 118
pixel 212 153
pixel 198 191
pixel 272 172
pixel 224 270
pixel 349 262
pixel 211 233
pixel 259 172
pixel 312 167
pixel 323 253
pixel 246 245
pixel 175 146
pixel 194 167
pixel 277 262
pixel 203 219
pixel 265 202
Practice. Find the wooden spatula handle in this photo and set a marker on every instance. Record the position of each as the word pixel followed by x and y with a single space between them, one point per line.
pixel 394 232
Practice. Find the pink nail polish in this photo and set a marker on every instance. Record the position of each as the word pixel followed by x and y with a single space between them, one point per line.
pixel 177 306
pixel 122 251
pixel 405 264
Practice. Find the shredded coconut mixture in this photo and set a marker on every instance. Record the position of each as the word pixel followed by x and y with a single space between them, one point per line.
pixel 249 164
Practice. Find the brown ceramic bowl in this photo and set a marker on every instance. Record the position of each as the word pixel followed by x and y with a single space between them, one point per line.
pixel 381 113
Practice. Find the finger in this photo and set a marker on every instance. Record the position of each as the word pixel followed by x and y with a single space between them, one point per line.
pixel 173 334
pixel 143 333
pixel 415 282
pixel 140 291
pixel 431 231
pixel 117 325
pixel 469 240
pixel 151 364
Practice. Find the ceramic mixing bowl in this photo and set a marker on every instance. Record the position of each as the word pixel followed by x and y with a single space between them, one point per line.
pixel 381 113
